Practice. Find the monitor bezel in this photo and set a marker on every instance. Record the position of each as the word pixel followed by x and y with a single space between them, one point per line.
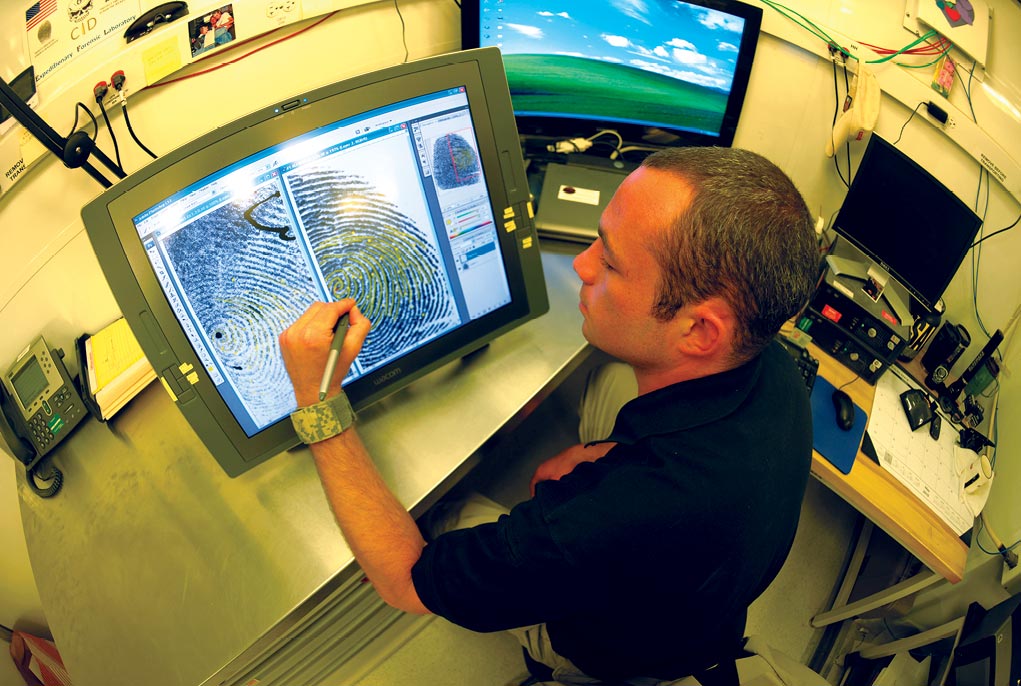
pixel 878 146
pixel 109 223
pixel 546 129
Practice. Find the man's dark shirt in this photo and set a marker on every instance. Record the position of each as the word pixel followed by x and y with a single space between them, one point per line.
pixel 643 563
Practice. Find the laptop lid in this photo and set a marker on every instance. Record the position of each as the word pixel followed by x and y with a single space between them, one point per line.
pixel 572 200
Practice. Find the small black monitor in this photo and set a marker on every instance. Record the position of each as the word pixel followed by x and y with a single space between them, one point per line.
pixel 664 72
pixel 989 650
pixel 906 222
pixel 403 189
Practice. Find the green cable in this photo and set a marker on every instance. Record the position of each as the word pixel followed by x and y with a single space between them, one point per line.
pixel 806 24
pixel 927 64
pixel 924 37
pixel 819 33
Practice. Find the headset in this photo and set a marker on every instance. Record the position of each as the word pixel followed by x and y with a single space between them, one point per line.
pixel 161 14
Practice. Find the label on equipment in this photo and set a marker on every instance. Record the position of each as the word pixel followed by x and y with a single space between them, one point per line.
pixel 588 196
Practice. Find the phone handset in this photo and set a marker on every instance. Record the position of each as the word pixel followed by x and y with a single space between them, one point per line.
pixel 22 449
pixel 19 447
pixel 41 406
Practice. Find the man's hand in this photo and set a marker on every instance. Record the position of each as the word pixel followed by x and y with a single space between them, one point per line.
pixel 565 462
pixel 305 345
pixel 382 535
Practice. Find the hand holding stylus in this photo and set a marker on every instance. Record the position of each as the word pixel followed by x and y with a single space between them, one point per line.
pixel 321 345
pixel 339 331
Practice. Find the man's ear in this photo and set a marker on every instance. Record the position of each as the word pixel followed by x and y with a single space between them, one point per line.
pixel 707 328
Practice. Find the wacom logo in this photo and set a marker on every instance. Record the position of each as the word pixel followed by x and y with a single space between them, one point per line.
pixel 386 377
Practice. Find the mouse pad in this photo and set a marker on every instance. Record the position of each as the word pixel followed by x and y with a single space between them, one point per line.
pixel 828 439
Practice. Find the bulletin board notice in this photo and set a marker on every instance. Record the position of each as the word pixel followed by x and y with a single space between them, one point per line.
pixel 59 32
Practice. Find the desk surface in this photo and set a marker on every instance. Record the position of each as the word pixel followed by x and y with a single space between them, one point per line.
pixel 155 566
pixel 881 497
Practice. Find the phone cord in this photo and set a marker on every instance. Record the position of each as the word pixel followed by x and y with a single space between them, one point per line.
pixel 53 475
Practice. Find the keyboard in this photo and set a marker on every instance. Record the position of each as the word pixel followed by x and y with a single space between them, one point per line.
pixel 807 365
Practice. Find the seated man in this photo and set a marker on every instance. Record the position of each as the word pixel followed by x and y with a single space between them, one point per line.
pixel 637 557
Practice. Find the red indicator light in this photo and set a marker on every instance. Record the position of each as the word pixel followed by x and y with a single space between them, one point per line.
pixel 831 314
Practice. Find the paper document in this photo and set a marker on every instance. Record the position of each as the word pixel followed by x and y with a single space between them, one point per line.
pixel 904 670
pixel 114 349
pixel 927 467
pixel 116 368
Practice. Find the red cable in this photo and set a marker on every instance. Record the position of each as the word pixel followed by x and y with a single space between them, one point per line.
pixel 927 49
pixel 247 54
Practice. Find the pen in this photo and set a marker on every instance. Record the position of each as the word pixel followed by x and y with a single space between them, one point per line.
pixel 331 362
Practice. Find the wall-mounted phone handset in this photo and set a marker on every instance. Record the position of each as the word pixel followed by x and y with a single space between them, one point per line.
pixel 41 406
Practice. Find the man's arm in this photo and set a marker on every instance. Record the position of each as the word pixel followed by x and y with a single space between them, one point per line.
pixel 565 462
pixel 382 535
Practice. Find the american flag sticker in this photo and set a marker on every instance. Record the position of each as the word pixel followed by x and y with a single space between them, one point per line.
pixel 39 11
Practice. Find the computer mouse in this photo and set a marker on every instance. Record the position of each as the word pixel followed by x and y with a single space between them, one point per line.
pixel 844 410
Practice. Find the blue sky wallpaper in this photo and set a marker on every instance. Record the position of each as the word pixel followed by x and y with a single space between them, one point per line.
pixel 687 42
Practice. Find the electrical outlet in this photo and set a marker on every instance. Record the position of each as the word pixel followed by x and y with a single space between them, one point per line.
pixel 1010 578
pixel 118 86
pixel 950 124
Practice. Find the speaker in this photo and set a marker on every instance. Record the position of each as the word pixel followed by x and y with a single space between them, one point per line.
pixel 947 346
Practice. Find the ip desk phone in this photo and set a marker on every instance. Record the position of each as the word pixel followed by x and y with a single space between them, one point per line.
pixel 40 403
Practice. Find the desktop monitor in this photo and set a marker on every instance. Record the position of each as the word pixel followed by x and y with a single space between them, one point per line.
pixel 660 73
pixel 906 222
pixel 403 189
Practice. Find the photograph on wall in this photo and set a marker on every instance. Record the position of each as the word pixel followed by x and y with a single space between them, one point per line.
pixel 211 30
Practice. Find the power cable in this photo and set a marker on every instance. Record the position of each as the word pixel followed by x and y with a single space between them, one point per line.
pixel 117 80
pixel 127 120
pixel 967 89
pixel 113 136
pixel 836 112
pixel 404 30
pixel 95 124
pixel 905 125
pixel 976 255
pixel 996 233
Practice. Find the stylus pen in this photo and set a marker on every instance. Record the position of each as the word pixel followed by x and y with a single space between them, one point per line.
pixel 339 332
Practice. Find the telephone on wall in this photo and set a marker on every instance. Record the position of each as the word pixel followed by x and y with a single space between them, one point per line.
pixel 41 406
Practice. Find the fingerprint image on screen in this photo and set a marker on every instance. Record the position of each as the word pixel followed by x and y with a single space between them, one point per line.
pixel 455 162
pixel 370 250
pixel 247 280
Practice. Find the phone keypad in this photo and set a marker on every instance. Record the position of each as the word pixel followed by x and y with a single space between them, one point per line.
pixel 65 413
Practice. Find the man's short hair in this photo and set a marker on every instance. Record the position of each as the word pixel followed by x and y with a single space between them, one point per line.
pixel 747 236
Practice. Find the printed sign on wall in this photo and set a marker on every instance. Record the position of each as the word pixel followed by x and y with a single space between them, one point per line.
pixel 58 31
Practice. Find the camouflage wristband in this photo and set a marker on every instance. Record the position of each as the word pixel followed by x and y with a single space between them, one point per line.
pixel 323 420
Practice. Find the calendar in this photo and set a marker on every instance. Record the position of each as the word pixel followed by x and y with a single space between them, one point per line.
pixel 927 467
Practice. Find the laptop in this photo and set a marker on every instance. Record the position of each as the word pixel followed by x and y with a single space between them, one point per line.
pixel 572 200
